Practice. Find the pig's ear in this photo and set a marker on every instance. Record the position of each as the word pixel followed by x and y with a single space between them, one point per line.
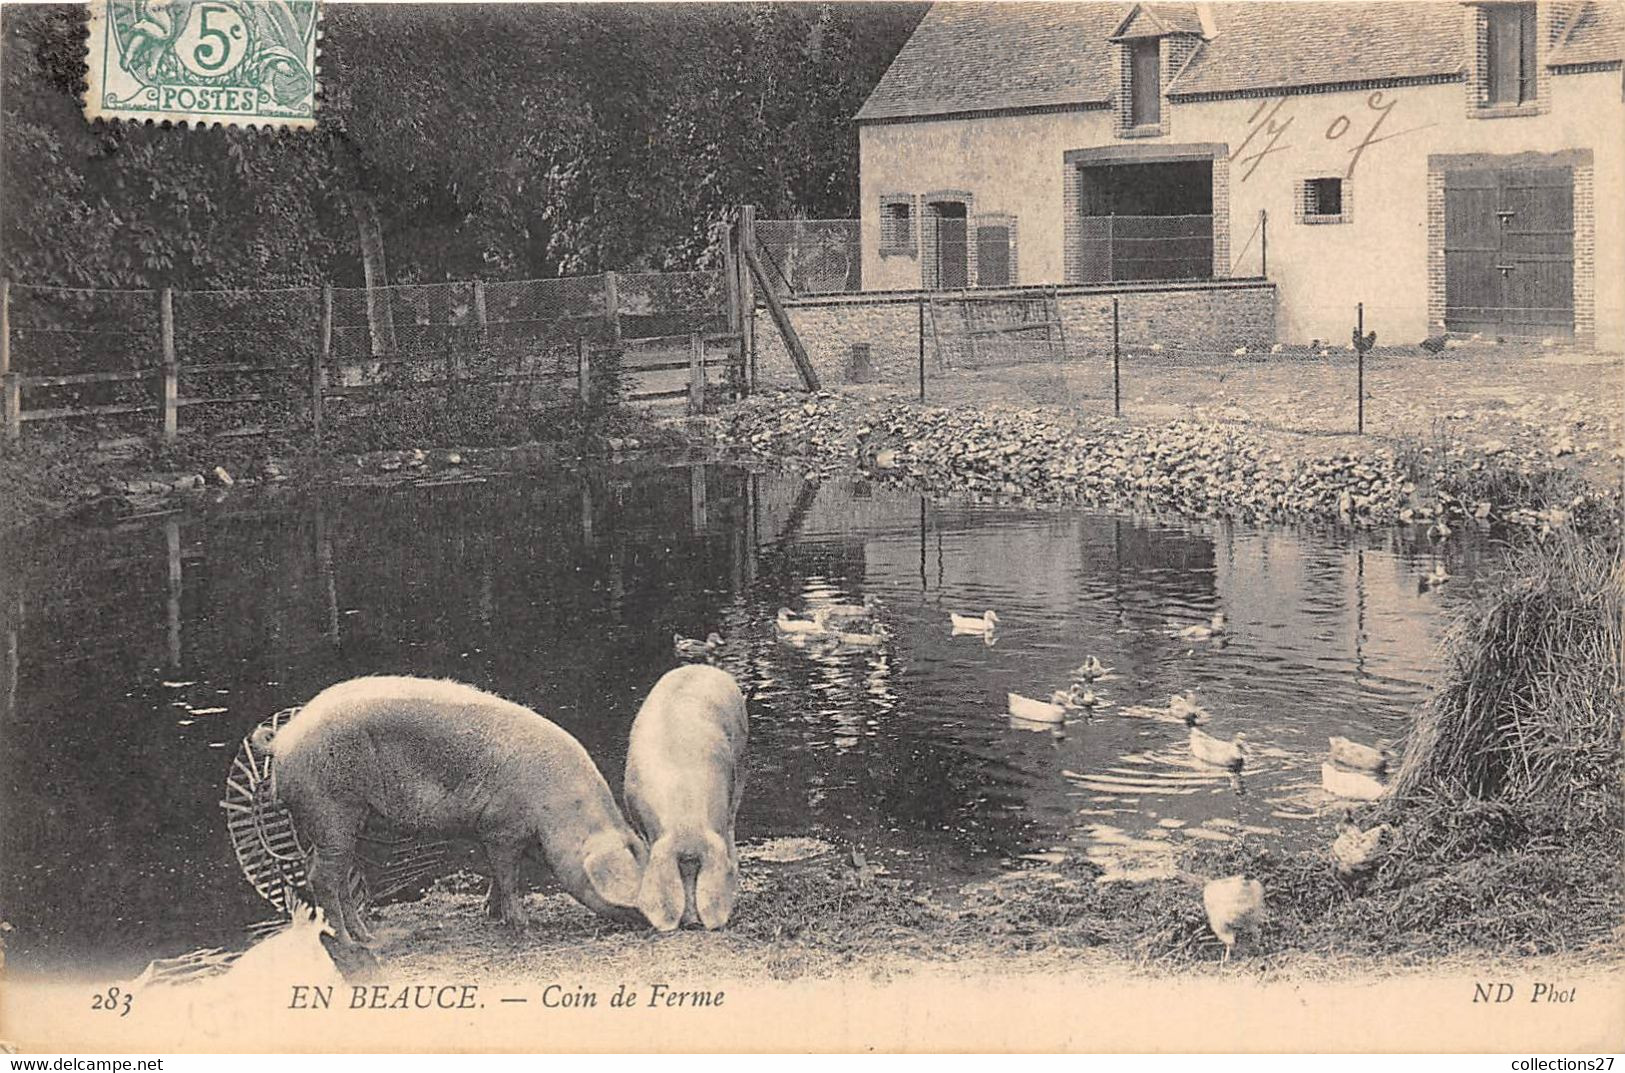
pixel 614 874
pixel 662 900
pixel 717 886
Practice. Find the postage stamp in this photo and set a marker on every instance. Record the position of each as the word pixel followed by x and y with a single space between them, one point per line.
pixel 246 62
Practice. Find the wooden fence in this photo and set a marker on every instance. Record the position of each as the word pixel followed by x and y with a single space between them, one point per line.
pixel 318 361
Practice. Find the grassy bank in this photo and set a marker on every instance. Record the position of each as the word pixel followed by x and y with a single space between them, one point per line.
pixel 1507 841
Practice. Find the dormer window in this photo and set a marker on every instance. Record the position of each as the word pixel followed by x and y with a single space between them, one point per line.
pixel 1145 82
pixel 1509 54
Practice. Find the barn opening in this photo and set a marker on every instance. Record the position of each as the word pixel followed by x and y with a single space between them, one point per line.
pixel 1145 221
pixel 949 254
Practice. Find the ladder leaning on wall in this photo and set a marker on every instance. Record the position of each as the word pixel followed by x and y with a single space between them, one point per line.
pixel 970 330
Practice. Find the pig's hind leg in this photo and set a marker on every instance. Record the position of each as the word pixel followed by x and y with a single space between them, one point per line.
pixel 503 901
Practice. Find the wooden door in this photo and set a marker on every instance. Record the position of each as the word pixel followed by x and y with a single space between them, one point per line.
pixel 993 256
pixel 953 259
pixel 1509 251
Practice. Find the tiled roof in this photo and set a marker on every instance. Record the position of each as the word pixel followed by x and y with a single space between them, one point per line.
pixel 1264 46
pixel 1597 36
pixel 971 57
pixel 968 57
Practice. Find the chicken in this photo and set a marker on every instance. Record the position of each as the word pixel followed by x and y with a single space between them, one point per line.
pixel 1365 342
pixel 1355 850
pixel 1235 909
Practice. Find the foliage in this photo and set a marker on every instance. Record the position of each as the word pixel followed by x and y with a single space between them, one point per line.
pixel 498 141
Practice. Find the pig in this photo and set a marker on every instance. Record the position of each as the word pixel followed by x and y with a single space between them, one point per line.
pixel 684 778
pixel 447 758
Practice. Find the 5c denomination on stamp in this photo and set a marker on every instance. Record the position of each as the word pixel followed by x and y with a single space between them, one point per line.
pixel 244 62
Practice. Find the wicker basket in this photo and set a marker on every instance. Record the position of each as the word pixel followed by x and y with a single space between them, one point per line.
pixel 273 857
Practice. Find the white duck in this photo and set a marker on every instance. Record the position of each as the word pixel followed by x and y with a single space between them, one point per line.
pixel 1186 707
pixel 845 614
pixel 1235 909
pixel 1091 670
pixel 1037 711
pixel 788 623
pixel 985 625
pixel 1218 752
pixel 1356 785
pixel 1361 757
pixel 1215 627
pixel 1433 580
pixel 872 639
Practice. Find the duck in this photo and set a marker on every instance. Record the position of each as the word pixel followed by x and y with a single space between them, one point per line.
pixel 1355 850
pixel 871 639
pixel 1218 752
pixel 848 613
pixel 1362 757
pixel 293 954
pixel 787 623
pixel 1434 579
pixel 984 625
pixel 1091 670
pixel 689 648
pixel 1214 628
pixel 1185 706
pixel 1081 695
pixel 1355 785
pixel 1036 711
pixel 1235 909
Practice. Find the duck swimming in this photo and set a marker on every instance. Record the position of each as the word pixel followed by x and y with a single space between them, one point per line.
pixel 837 614
pixel 1214 628
pixel 969 624
pixel 787 623
pixel 1356 785
pixel 871 639
pixel 1091 670
pixel 1185 706
pixel 688 648
pixel 1036 711
pixel 1362 757
pixel 1218 752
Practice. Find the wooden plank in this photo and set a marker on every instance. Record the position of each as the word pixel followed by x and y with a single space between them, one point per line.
pixel 220 400
pixel 85 411
pixel 87 378
pixel 1010 329
pixel 172 375
pixel 792 341
pixel 239 367
pixel 696 375
pixel 647 396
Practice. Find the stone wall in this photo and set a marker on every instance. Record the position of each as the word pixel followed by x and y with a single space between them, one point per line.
pixel 1207 318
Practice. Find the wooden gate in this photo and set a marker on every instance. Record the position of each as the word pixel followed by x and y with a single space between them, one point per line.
pixel 1509 251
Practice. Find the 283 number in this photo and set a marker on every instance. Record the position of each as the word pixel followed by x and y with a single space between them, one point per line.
pixel 114 998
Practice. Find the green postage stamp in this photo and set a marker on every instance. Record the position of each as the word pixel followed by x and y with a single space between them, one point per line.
pixel 243 62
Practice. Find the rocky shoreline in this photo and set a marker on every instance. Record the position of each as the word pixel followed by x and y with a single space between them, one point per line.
pixel 1199 468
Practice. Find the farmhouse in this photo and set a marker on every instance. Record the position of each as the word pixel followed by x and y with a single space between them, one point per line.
pixel 1438 161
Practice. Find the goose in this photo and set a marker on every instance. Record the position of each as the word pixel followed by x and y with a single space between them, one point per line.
pixel 1362 757
pixel 1226 754
pixel 1235 909
pixel 1356 785
pixel 1214 627
pixel 1091 670
pixel 688 648
pixel 786 622
pixel 1438 577
pixel 1036 711
pixel 869 640
pixel 970 624
pixel 1355 850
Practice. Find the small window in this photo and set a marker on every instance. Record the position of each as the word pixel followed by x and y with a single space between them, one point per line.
pixel 897 225
pixel 1323 201
pixel 1145 83
pixel 1509 54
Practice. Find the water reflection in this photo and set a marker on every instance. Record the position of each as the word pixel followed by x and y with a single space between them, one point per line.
pixel 137 657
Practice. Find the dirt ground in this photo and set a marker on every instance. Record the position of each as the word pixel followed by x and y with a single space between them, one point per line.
pixel 1568 404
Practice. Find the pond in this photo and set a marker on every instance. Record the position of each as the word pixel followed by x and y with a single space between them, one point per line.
pixel 138 657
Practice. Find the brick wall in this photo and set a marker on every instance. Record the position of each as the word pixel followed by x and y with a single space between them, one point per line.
pixel 1204 317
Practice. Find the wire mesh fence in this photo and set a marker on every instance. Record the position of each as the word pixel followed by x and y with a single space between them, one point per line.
pixel 811 256
pixel 208 361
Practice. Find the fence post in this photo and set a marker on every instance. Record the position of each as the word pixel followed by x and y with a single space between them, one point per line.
pixel 922 347
pixel 318 364
pixel 612 305
pixel 696 374
pixel 730 281
pixel 583 370
pixel 1264 243
pixel 12 382
pixel 1117 364
pixel 166 330
pixel 747 292
pixel 1359 383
